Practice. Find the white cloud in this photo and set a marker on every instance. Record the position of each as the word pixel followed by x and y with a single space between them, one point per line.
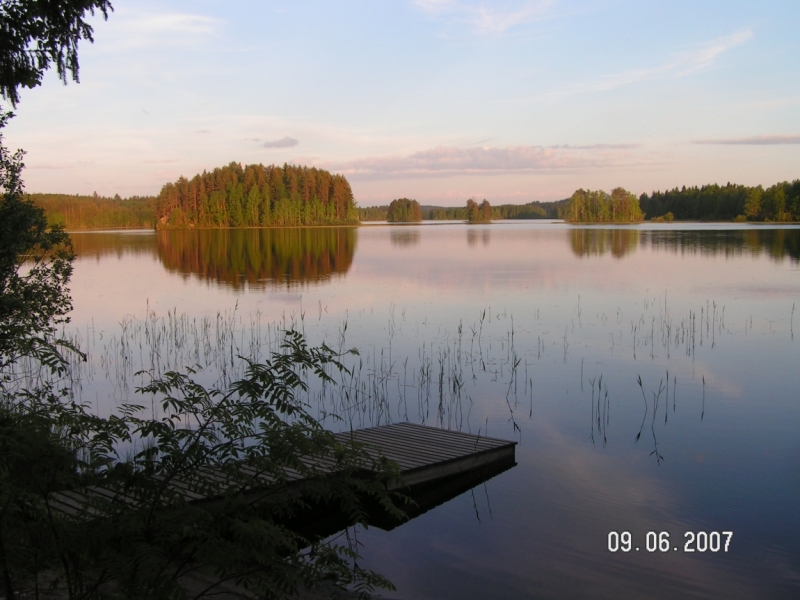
pixel 490 20
pixel 176 23
pixel 707 53
pixel 486 20
pixel 131 28
pixel 443 160
pixel 701 57
pixel 284 142
pixel 756 140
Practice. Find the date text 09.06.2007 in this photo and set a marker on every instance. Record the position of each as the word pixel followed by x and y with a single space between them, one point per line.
pixel 659 541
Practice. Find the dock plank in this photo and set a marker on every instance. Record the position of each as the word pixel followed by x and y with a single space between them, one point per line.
pixel 423 453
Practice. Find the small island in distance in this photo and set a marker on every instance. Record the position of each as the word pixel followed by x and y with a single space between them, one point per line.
pixel 290 196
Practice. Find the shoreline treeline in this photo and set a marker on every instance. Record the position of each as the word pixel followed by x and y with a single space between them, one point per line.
pixel 779 202
pixel 532 210
pixel 597 206
pixel 96 212
pixel 257 196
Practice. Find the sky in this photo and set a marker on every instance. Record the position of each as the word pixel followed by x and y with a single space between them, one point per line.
pixel 437 100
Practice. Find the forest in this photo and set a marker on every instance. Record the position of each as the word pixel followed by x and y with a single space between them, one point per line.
pixel 780 202
pixel 96 212
pixel 256 196
pixel 588 206
pixel 532 210
pixel 479 213
pixel 404 210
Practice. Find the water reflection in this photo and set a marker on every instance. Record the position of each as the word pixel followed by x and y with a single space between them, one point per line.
pixel 447 341
pixel 775 243
pixel 100 244
pixel 778 244
pixel 473 235
pixel 404 237
pixel 259 257
pixel 319 521
pixel 597 242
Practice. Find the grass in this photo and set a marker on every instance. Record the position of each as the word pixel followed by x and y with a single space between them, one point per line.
pixel 494 367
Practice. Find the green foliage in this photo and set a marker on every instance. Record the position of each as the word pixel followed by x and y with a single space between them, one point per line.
pixel 33 299
pixel 447 214
pixel 37 33
pixel 257 196
pixel 780 202
pixel 479 213
pixel 533 210
pixel 96 212
pixel 210 485
pixel 667 218
pixel 587 206
pixel 373 213
pixel 404 210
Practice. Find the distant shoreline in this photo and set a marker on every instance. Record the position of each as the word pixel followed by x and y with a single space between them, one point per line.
pixel 430 223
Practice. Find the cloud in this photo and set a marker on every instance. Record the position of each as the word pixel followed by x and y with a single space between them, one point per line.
pixel 707 53
pixel 484 160
pixel 176 23
pixel 701 57
pixel 284 142
pixel 756 140
pixel 485 20
pixel 131 28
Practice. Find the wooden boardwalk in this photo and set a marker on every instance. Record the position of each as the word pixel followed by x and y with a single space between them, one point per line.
pixel 426 455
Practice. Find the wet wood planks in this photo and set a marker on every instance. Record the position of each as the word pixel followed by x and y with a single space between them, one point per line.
pixel 424 454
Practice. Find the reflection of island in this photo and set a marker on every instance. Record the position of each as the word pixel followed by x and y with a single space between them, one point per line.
pixel 597 242
pixel 259 257
pixel 472 237
pixel 400 237
pixel 775 243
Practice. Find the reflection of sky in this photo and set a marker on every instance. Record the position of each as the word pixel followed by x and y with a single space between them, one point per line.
pixel 544 524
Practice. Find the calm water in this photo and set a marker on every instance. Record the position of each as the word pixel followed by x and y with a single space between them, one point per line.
pixel 528 331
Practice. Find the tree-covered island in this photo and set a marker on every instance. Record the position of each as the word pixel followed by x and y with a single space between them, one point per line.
pixel 479 213
pixel 588 206
pixel 404 210
pixel 257 196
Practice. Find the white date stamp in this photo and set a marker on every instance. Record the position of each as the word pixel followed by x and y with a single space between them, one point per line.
pixel 660 541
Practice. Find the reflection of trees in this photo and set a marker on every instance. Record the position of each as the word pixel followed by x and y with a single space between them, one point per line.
pixel 116 243
pixel 259 257
pixel 775 243
pixel 596 242
pixel 473 235
pixel 404 237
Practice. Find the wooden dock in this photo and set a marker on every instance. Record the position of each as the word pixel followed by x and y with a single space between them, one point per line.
pixel 426 454
pixel 428 457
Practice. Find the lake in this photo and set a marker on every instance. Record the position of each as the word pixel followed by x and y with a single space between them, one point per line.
pixel 650 375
